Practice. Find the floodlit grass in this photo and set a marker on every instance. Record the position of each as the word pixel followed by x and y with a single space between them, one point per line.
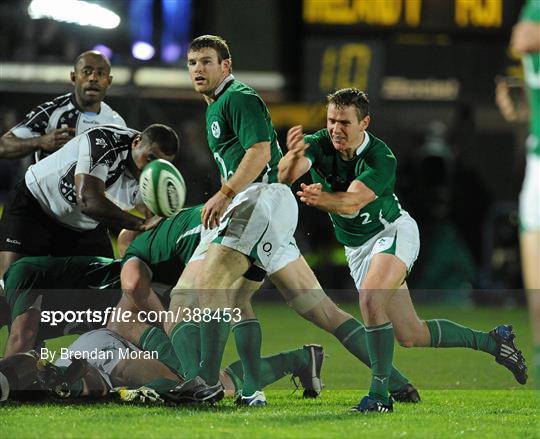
pixel 465 393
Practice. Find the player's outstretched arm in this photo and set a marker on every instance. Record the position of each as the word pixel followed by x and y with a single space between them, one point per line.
pixel 294 164
pixel 13 147
pixel 92 201
pixel 357 196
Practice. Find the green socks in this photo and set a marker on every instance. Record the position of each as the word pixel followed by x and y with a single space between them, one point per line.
pixel 186 340
pixel 154 339
pixel 447 334
pixel 248 338
pixel 214 336
pixel 352 336
pixel 380 346
pixel 273 368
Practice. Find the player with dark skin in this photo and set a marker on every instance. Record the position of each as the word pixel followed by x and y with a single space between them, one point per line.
pixel 91 78
pixel 91 196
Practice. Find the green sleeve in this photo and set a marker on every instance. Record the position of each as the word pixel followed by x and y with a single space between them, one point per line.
pixel 248 118
pixel 531 11
pixel 315 142
pixel 378 170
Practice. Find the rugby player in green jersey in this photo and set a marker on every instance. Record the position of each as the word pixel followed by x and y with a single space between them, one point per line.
pixel 354 175
pixel 174 243
pixel 526 40
pixel 244 145
pixel 38 288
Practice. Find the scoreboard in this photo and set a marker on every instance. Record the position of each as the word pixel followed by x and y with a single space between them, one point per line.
pixel 433 50
pixel 415 15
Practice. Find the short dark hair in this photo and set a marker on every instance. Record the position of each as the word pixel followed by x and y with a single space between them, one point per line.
pixel 95 53
pixel 214 42
pixel 350 96
pixel 164 136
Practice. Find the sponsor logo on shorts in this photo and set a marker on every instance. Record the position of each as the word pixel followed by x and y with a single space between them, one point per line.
pixel 216 130
pixel 13 241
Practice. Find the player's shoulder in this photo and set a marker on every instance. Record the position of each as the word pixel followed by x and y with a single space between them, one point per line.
pixel 239 92
pixel 115 138
pixel 58 102
pixel 378 150
pixel 111 116
pixel 377 145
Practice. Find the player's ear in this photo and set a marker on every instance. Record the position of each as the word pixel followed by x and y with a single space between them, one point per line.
pixel 72 77
pixel 136 141
pixel 109 80
pixel 227 63
pixel 365 122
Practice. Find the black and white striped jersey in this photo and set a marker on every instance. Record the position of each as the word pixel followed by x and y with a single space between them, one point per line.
pixel 102 152
pixel 63 112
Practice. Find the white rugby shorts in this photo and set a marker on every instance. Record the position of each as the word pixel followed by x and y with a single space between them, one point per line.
pixel 400 238
pixel 260 223
pixel 100 343
pixel 529 198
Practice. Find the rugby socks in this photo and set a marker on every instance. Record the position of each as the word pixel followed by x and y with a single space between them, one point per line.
pixel 380 345
pixel 447 334
pixel 248 338
pixel 214 336
pixel 352 335
pixel 154 339
pixel 186 341
pixel 273 367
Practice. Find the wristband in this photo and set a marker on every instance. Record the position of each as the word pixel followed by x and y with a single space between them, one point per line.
pixel 227 191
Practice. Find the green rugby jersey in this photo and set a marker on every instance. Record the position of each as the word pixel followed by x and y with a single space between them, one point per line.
pixel 375 166
pixel 168 247
pixel 236 120
pixel 69 283
pixel 531 70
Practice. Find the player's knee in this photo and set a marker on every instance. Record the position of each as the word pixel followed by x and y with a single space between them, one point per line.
pixel 370 303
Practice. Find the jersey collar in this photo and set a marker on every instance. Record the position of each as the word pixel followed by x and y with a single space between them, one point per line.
pixel 221 87
pixel 361 148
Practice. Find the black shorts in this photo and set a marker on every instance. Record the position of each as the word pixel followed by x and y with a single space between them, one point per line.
pixel 26 229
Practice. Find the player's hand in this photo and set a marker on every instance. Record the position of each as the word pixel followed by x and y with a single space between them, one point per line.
pixel 214 209
pixel 295 141
pixel 150 223
pixel 52 141
pixel 525 37
pixel 310 194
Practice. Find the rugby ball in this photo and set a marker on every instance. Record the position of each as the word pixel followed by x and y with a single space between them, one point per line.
pixel 162 188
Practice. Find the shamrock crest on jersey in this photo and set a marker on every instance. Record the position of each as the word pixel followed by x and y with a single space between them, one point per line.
pixel 216 130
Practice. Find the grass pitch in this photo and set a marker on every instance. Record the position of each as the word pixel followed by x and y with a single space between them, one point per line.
pixel 465 394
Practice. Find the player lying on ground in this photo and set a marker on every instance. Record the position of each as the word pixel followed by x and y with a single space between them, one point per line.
pixel 354 175
pixel 136 375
